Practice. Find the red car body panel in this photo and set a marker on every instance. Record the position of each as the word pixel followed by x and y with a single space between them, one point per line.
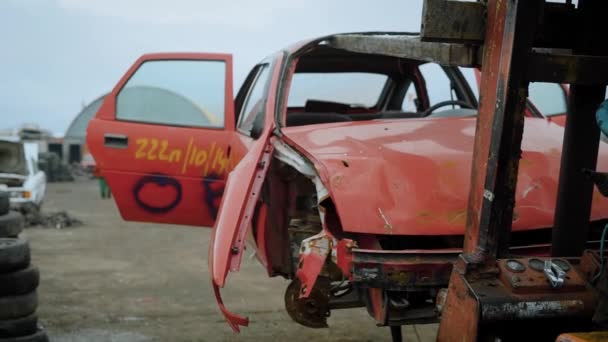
pixel 411 176
pixel 185 167
pixel 228 238
pixel 559 119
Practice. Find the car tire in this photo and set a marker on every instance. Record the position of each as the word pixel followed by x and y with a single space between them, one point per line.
pixel 39 336
pixel 13 307
pixel 4 202
pixel 11 224
pixel 19 282
pixel 23 326
pixel 14 254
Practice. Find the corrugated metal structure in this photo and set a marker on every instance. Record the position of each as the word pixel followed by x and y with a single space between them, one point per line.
pixel 73 147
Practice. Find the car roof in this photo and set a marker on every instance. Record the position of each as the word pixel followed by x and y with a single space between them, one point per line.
pixel 408 45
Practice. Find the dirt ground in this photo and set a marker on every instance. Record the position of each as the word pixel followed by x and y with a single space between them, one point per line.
pixel 111 280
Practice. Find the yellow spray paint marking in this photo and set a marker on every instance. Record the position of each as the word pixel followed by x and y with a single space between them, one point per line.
pixel 153 149
pixel 212 159
pixel 187 154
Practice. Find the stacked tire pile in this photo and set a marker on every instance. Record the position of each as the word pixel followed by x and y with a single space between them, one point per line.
pixel 18 281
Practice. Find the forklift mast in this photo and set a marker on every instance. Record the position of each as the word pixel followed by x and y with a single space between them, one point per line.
pixel 492 294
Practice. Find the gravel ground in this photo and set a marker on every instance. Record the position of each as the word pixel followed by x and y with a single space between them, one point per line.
pixel 111 280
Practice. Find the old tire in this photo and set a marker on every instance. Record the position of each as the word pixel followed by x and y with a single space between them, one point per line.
pixel 11 224
pixel 19 282
pixel 38 336
pixel 18 306
pixel 4 202
pixel 23 326
pixel 14 254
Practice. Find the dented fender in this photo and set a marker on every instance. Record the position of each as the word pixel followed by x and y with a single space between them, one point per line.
pixel 236 209
pixel 234 320
pixel 315 249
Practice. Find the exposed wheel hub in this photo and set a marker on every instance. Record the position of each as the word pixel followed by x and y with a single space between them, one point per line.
pixel 311 312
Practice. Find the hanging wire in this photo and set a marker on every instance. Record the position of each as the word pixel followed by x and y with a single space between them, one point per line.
pixel 597 276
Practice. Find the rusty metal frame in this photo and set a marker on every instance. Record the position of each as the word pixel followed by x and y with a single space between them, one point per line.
pixel 567 68
pixel 509 40
pixel 408 46
pixel 453 21
pixel 482 289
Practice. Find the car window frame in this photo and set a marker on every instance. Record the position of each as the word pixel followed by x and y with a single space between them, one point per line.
pixel 245 94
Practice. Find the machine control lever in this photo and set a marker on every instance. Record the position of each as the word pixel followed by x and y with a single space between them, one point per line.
pixel 555 274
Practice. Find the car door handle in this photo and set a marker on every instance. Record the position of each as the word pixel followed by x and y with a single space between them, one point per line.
pixel 115 140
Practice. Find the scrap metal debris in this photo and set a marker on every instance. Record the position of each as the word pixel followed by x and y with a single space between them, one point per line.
pixel 55 169
pixel 57 220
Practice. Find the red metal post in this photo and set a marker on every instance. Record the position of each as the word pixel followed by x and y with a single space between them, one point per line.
pixel 509 37
pixel 510 33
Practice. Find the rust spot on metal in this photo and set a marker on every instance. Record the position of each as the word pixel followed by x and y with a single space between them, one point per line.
pixel 424 217
pixel 399 277
pixel 596 336
pixel 525 163
pixel 448 164
pixel 458 216
pixel 337 181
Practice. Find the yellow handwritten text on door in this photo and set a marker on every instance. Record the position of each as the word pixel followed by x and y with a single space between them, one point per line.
pixel 212 159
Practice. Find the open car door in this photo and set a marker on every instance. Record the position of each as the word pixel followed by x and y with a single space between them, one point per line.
pixel 162 137
pixel 165 139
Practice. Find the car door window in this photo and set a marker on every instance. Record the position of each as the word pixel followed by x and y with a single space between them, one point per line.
pixel 548 98
pixel 253 106
pixel 175 92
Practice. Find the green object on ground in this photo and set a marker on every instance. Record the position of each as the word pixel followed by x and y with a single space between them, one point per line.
pixel 104 188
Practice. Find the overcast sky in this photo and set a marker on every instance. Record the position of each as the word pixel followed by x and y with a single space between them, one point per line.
pixel 60 54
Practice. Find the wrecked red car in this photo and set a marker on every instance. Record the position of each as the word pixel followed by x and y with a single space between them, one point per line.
pixel 344 162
